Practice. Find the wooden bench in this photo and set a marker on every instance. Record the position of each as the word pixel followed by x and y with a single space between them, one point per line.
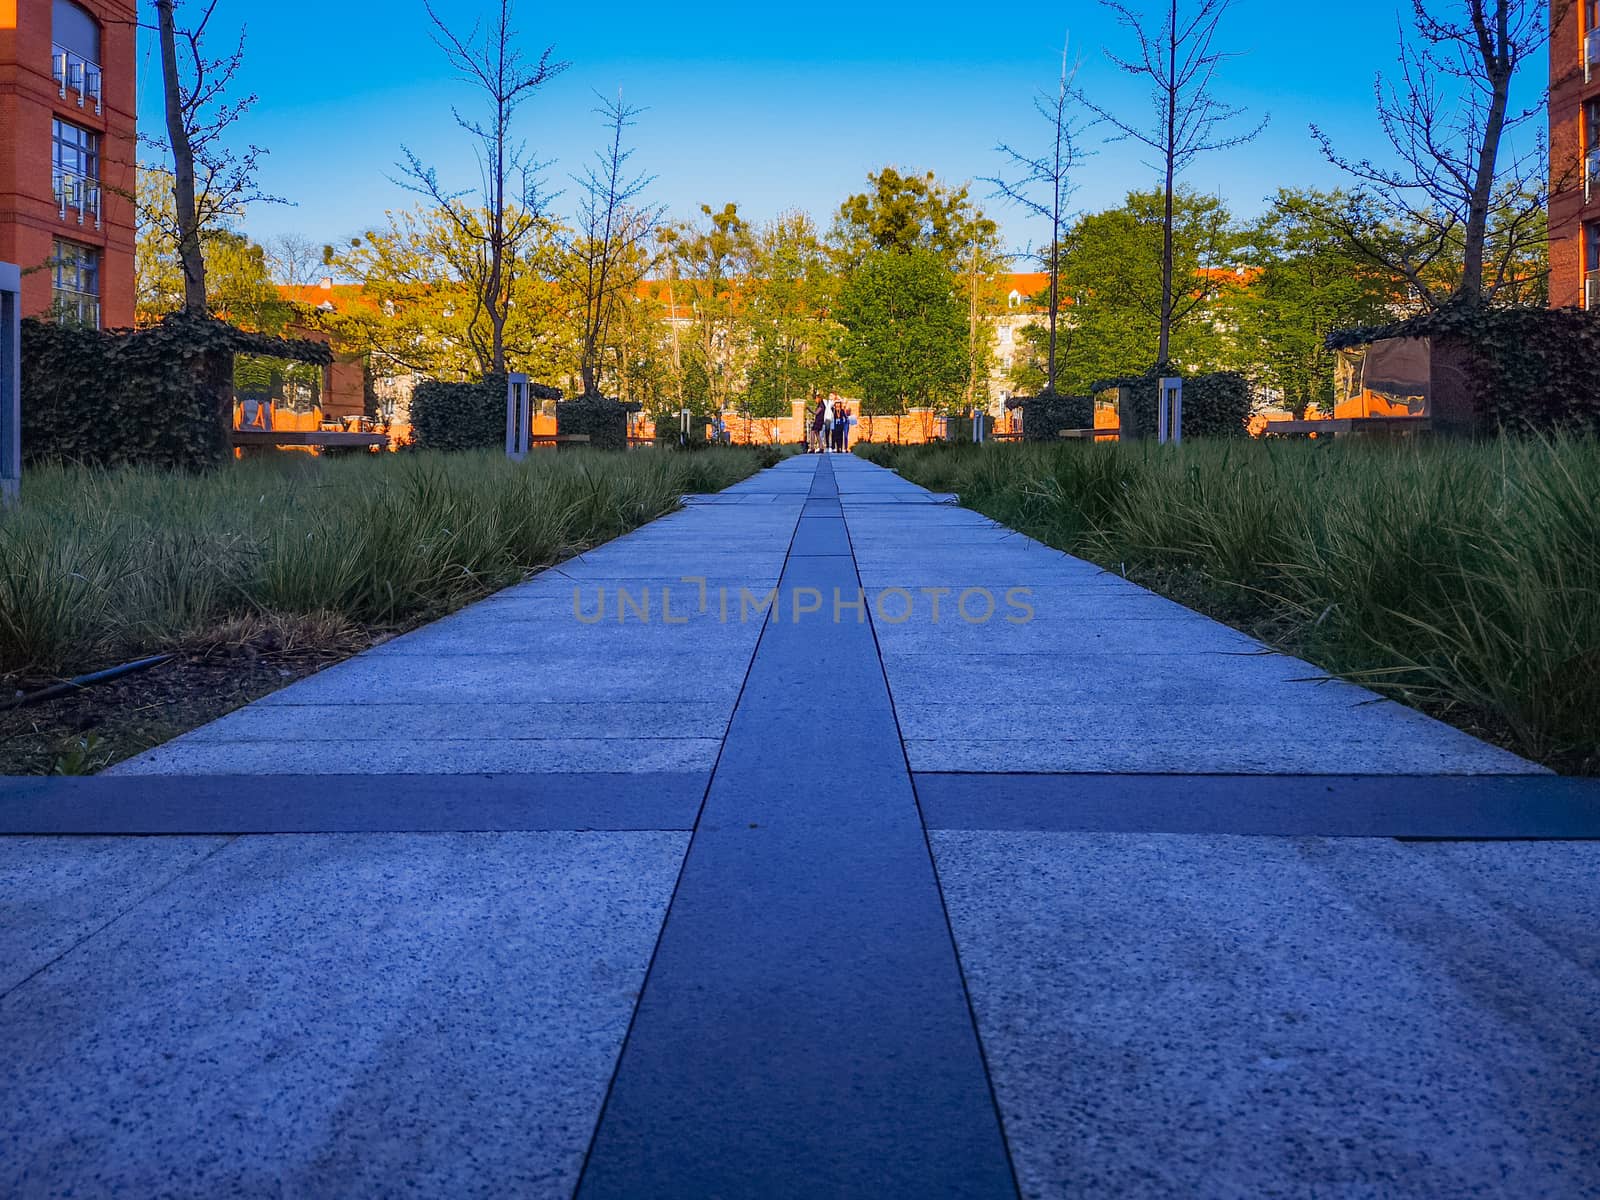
pixel 558 439
pixel 325 438
pixel 1091 434
pixel 1333 425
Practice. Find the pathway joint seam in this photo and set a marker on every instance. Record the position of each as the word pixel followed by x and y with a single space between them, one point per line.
pixel 938 881
pixel 677 884
pixel 186 871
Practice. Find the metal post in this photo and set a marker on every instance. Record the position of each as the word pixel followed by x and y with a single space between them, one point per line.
pixel 10 383
pixel 1169 412
pixel 519 417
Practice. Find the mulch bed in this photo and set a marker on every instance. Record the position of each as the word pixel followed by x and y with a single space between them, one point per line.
pixel 89 730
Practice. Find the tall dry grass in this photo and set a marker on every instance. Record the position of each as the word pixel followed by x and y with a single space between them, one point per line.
pixel 1462 577
pixel 96 565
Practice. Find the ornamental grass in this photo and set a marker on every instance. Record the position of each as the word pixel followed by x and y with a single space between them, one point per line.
pixel 1460 577
pixel 98 566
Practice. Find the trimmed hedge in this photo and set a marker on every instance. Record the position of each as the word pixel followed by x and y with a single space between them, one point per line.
pixel 604 421
pixel 159 397
pixel 465 416
pixel 1044 417
pixel 1521 370
pixel 1214 406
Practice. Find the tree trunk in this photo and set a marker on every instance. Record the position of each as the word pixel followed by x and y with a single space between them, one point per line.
pixel 1055 231
pixel 189 250
pixel 1492 45
pixel 1166 224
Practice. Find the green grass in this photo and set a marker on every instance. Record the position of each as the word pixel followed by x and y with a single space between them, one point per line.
pixel 99 566
pixel 1464 578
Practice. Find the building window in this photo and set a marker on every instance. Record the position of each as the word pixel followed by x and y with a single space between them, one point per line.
pixel 76 298
pixel 77 172
pixel 76 53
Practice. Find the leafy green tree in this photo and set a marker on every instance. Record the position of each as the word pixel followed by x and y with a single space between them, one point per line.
pixel 911 212
pixel 1311 282
pixel 790 292
pixel 906 331
pixel 708 264
pixel 422 310
pixel 1113 276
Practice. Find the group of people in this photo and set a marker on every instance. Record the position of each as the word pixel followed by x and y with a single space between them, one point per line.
pixel 830 426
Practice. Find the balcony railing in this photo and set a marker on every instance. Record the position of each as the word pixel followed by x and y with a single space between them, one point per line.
pixel 1591 175
pixel 80 195
pixel 75 75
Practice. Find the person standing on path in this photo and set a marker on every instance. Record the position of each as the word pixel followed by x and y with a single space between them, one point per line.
pixel 818 423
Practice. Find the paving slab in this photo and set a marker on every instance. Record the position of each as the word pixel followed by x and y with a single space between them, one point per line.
pixel 572 678
pixel 997 622
pixel 433 722
pixel 339 1016
pixel 55 894
pixel 1203 1016
pixel 1412 747
pixel 404 755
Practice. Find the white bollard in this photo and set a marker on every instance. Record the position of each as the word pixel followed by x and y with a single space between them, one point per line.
pixel 10 382
pixel 519 417
pixel 1169 412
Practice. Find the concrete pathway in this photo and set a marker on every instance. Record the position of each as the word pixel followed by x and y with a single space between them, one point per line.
pixel 619 884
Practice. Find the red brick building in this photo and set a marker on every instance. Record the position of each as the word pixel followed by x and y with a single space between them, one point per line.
pixel 1575 153
pixel 68 87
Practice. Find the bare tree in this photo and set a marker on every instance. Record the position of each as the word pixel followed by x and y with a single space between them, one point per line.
pixel 1043 185
pixel 296 260
pixel 609 253
pixel 1451 214
pixel 1177 54
pixel 211 183
pixel 505 215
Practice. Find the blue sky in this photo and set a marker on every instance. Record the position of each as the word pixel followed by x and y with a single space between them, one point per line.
pixel 772 106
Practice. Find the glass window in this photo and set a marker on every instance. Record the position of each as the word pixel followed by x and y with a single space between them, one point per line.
pixel 77 172
pixel 76 31
pixel 77 150
pixel 76 276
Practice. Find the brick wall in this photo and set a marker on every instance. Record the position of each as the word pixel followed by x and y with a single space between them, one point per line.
pixel 30 98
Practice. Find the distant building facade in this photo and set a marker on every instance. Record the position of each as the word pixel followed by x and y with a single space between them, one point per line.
pixel 1575 153
pixel 68 149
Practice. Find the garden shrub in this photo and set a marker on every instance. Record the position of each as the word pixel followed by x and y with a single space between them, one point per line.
pixel 465 416
pixel 1215 405
pixel 1524 369
pixel 156 397
pixel 604 421
pixel 1044 417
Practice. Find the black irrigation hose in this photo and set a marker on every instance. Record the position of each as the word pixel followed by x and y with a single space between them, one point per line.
pixel 56 691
